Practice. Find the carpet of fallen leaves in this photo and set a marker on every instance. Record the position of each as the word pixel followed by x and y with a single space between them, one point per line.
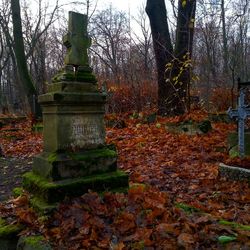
pixel 18 140
pixel 173 169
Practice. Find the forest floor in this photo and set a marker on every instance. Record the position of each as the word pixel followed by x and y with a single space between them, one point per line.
pixel 11 171
pixel 176 200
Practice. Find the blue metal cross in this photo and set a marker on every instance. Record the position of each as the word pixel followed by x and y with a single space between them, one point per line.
pixel 241 114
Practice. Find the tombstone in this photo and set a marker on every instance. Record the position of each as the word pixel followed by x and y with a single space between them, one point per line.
pixel 75 157
pixel 241 113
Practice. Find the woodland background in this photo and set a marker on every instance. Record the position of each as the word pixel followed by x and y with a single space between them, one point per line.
pixel 123 58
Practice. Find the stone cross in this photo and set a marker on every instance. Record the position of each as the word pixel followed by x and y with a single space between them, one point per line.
pixel 77 40
pixel 241 114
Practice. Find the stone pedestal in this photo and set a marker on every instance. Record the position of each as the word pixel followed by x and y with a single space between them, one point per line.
pixel 75 157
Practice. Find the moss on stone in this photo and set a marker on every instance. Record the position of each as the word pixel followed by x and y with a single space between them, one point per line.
pixel 36 242
pixel 33 240
pixel 93 154
pixel 83 156
pixel 17 191
pixel 42 207
pixel 52 157
pixel 55 191
pixel 9 231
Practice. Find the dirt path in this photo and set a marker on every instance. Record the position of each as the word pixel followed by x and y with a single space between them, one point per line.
pixel 11 171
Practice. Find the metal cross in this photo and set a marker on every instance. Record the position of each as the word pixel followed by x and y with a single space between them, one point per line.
pixel 241 114
pixel 77 40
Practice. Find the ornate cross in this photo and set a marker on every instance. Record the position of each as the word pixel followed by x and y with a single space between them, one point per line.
pixel 241 114
pixel 77 40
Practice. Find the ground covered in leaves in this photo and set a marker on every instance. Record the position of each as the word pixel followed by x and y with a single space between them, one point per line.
pixel 177 200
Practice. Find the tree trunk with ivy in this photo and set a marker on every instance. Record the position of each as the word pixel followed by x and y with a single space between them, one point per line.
pixel 173 66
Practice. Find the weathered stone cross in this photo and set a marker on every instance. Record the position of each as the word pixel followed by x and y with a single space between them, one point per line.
pixel 77 40
pixel 241 114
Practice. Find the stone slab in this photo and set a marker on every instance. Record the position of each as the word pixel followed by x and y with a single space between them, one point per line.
pixel 52 192
pixel 58 166
pixel 74 98
pixel 72 132
pixel 234 173
pixel 9 235
pixel 72 87
pixel 36 242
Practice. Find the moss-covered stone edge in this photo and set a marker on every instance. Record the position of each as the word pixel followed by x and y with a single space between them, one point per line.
pixel 88 155
pixel 8 231
pixel 34 242
pixel 56 191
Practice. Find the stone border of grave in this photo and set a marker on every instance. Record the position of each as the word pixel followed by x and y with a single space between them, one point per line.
pixel 234 173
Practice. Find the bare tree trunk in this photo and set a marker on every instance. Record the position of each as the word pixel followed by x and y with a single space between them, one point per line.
pixel 183 53
pixel 163 49
pixel 173 86
pixel 224 39
pixel 18 46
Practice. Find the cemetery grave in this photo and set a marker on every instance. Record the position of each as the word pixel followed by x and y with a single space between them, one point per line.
pixel 171 194
pixel 179 181
pixel 239 142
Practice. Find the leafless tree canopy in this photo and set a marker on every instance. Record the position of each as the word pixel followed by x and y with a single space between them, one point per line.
pixel 122 53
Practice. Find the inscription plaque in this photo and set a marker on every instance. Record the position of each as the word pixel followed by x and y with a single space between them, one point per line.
pixel 87 132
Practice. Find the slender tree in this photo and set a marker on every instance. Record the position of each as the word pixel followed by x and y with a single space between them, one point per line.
pixel 173 84
pixel 18 45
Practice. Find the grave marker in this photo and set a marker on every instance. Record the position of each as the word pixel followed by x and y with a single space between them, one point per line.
pixel 241 113
pixel 75 157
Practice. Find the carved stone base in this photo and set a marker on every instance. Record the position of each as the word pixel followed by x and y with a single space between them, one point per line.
pixel 55 191
pixel 63 165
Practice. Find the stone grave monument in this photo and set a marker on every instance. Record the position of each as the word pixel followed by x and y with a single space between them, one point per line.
pixel 75 157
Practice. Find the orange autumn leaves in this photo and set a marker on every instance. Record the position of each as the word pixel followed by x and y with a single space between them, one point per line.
pixel 18 140
pixel 172 169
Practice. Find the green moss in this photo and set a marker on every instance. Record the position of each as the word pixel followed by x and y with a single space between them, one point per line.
pixel 17 191
pixel 234 152
pixel 52 157
pixel 36 242
pixel 31 178
pixel 9 231
pixel 90 155
pixel 55 191
pixel 85 77
pixel 93 154
pixel 187 208
pixel 234 225
pixel 2 222
pixel 42 207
